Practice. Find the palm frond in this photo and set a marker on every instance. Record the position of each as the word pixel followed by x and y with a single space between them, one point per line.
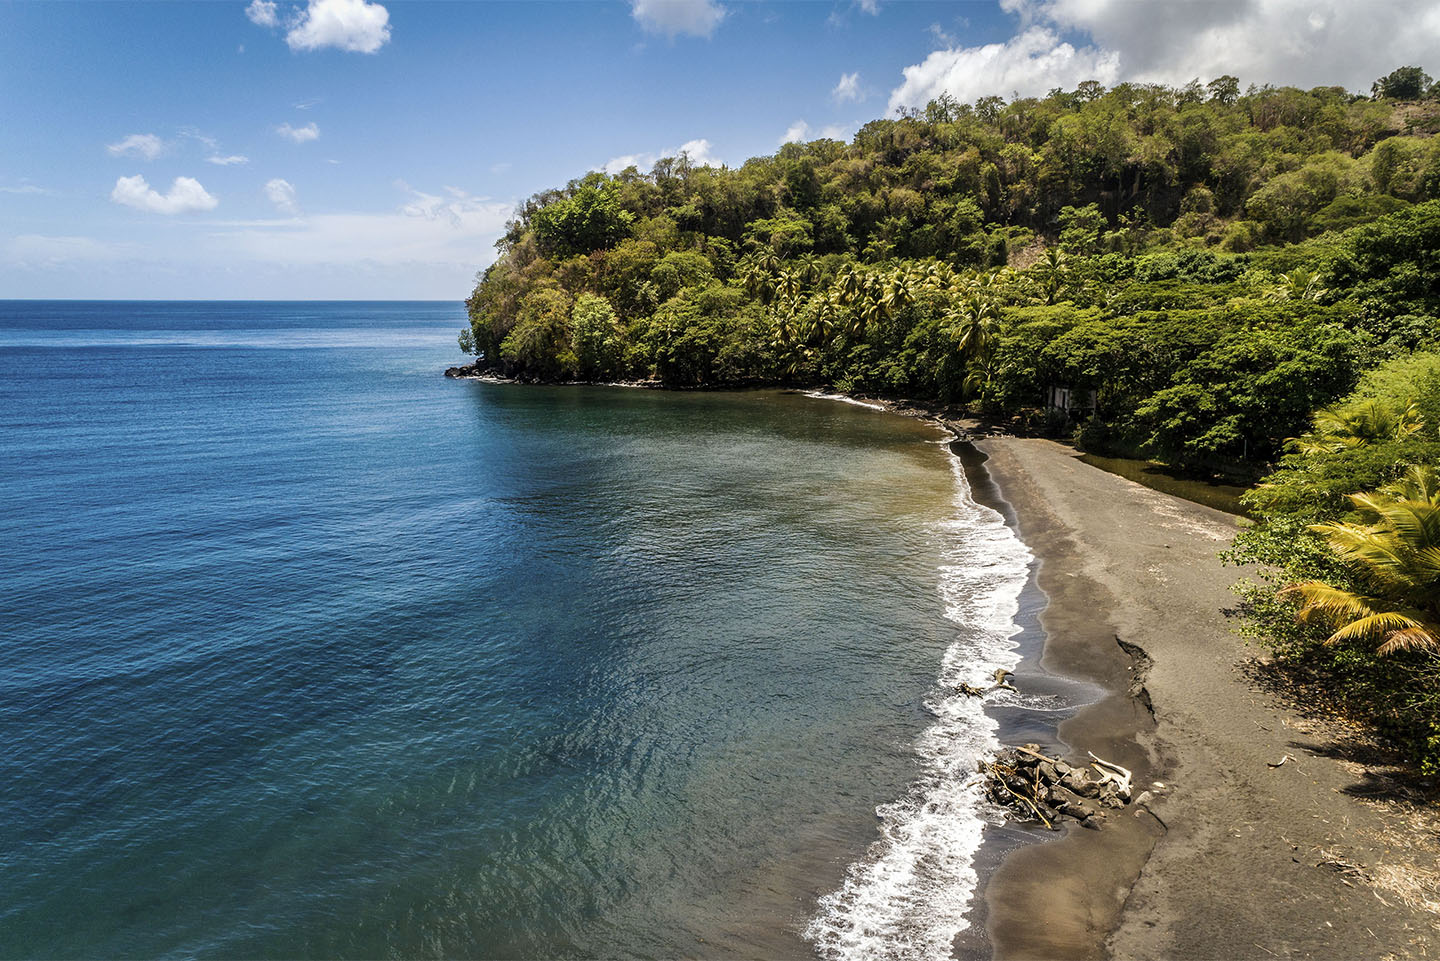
pixel 1379 625
pixel 1411 639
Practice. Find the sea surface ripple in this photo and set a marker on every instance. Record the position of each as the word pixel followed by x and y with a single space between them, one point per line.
pixel 310 652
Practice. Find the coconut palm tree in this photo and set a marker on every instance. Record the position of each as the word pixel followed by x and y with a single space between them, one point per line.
pixel 760 281
pixel 1396 558
pixel 808 271
pixel 1052 274
pixel 895 295
pixel 787 286
pixel 1335 428
pixel 975 324
pixel 1297 285
pixel 849 285
pixel 824 318
pixel 980 377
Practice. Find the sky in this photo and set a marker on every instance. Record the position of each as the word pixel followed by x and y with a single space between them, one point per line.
pixel 355 149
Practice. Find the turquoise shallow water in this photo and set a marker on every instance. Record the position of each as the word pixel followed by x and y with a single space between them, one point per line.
pixel 310 652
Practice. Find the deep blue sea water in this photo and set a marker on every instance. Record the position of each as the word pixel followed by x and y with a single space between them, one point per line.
pixel 306 651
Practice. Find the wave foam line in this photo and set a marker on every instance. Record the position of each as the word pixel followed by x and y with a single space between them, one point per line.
pixel 910 895
pixel 844 399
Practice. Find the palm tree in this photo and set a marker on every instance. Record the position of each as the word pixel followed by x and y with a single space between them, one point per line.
pixel 1297 285
pixel 895 295
pixel 980 377
pixel 1052 274
pixel 975 324
pixel 1335 429
pixel 760 281
pixel 849 285
pixel 787 286
pixel 869 314
pixel 823 320
pixel 1396 558
pixel 809 270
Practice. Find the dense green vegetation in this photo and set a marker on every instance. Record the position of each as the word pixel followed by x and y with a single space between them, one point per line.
pixel 1186 274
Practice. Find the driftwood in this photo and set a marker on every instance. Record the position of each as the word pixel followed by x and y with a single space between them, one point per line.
pixel 1113 773
pixel 1032 786
pixel 1002 683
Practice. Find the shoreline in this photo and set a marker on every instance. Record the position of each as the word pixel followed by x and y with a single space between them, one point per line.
pixel 1126 612
pixel 1240 858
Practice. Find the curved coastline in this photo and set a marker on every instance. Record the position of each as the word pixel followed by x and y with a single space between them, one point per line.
pixel 1125 616
pixel 1232 861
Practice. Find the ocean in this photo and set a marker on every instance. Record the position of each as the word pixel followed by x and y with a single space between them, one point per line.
pixel 307 651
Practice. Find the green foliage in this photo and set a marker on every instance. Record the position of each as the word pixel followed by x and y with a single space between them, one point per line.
pixel 1216 266
pixel 596 339
pixel 1393 264
pixel 538 346
pixel 1404 83
pixel 1366 442
pixel 589 218
pixel 1240 398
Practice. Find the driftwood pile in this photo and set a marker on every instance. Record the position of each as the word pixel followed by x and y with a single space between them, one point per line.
pixel 1035 787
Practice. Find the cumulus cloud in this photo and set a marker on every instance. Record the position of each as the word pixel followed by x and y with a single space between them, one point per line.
pixel 698 151
pixel 1300 42
pixel 299 134
pixel 1033 62
pixel 282 194
pixel 186 195
pixel 142 145
pixel 695 18
pixel 795 133
pixel 848 88
pixel 229 161
pixel 354 25
pixel 262 13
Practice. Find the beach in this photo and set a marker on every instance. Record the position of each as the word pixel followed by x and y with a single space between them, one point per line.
pixel 1258 844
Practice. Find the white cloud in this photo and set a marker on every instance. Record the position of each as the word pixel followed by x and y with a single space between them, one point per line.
pixel 25 189
pixel 282 194
pixel 262 13
pixel 186 195
pixel 695 18
pixel 1299 42
pixel 871 7
pixel 299 134
pixel 698 150
pixel 848 88
pixel 1031 63
pixel 456 230
pixel 144 145
pixel 229 161
pixel 354 25
pixel 801 132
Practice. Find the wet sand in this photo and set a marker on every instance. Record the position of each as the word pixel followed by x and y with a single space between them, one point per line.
pixel 1229 865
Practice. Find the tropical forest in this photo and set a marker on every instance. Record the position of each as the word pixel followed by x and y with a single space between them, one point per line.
pixel 1235 282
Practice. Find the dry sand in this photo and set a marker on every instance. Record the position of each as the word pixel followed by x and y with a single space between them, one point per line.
pixel 1251 861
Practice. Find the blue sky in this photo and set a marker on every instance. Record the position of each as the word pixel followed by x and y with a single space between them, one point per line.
pixel 361 149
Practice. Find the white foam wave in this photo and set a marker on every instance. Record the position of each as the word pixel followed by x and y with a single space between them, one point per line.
pixel 910 895
pixel 821 395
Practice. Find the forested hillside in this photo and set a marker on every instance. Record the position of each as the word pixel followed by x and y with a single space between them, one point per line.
pixel 1240 282
pixel 1181 252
